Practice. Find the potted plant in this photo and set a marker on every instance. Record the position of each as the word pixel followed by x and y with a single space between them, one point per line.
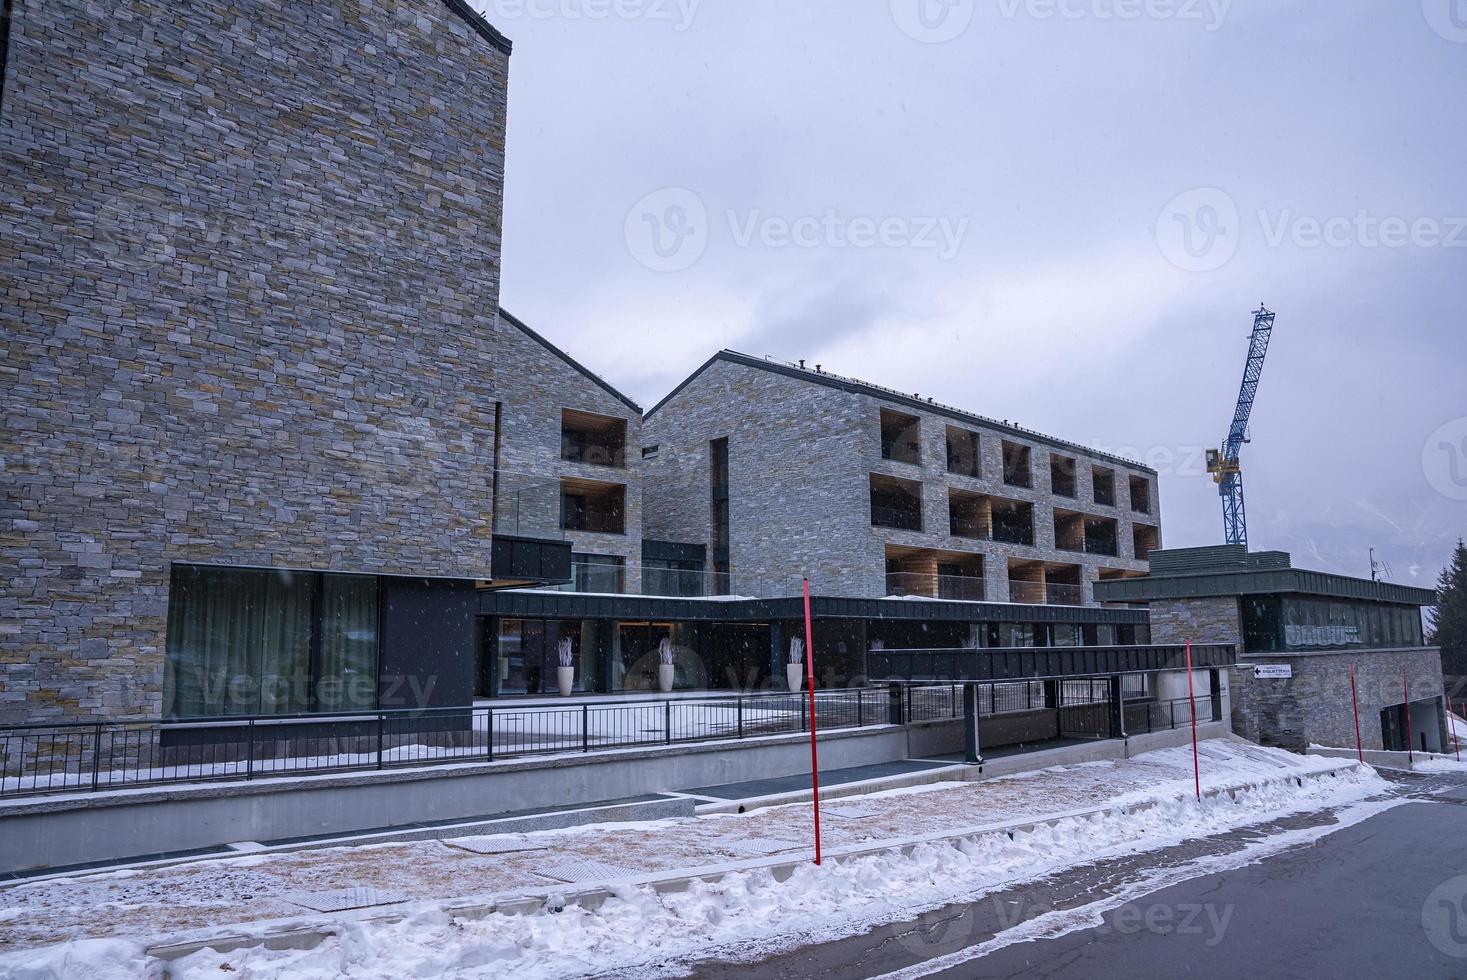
pixel 665 667
pixel 794 671
pixel 566 672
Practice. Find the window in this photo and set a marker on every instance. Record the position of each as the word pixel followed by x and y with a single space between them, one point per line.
pixel 528 655
pixel 1103 482
pixel 1140 494
pixel 963 452
pixel 718 513
pixel 586 505
pixel 896 503
pixel 269 641
pixel 650 452
pixel 901 437
pixel 595 439
pixel 1062 476
pixel 1016 472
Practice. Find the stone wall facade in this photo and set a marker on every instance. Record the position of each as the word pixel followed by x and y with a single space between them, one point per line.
pixel 537 384
pixel 1207 619
pixel 1314 706
pixel 801 454
pixel 251 273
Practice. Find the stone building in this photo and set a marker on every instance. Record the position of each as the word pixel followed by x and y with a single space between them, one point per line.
pixel 781 471
pixel 257 388
pixel 1300 634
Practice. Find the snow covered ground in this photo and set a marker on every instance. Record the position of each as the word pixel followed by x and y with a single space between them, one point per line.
pixel 99 925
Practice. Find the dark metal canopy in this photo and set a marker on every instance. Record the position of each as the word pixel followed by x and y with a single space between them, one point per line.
pixel 582 605
pixel 1040 663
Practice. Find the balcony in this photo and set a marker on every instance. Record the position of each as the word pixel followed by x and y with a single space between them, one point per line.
pixel 604 574
pixel 1016 469
pixel 594 439
pixel 663 580
pixel 963 452
pixel 1140 495
pixel 586 505
pixel 901 437
pixel 1102 536
pixel 1013 522
pixel 896 503
pixel 1144 540
pixel 1062 475
pixel 969 515
pixel 1045 594
pixel 1044 583
pixel 963 588
pixel 527 506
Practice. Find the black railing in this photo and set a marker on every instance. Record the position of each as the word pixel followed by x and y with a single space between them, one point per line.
pixel 900 518
pixel 90 756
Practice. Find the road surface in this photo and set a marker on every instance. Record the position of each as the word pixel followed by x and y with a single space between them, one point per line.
pixel 1381 897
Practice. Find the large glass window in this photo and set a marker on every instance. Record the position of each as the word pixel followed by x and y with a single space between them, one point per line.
pixel 1319 624
pixel 529 654
pixel 269 641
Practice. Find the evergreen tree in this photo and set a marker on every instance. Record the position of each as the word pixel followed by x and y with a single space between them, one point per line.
pixel 1448 626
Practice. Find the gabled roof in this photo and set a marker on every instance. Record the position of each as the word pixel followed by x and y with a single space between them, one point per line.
pixel 481 26
pixel 895 397
pixel 600 382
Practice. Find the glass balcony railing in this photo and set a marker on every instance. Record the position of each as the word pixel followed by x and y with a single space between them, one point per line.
pixel 966 588
pixel 1045 594
pixel 528 507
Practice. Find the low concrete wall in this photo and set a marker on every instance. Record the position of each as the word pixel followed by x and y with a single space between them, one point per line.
pixel 49 832
pixel 1383 759
pixel 1113 748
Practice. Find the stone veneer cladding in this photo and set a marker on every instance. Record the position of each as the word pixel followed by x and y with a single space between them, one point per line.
pixel 536 385
pixel 800 457
pixel 1314 706
pixel 251 267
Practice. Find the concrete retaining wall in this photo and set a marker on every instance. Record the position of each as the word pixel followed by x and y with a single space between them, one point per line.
pixel 51 832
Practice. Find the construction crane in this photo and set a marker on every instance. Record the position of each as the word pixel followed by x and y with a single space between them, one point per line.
pixel 1223 463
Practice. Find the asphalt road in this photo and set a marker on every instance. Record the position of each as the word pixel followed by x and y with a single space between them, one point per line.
pixel 1381 898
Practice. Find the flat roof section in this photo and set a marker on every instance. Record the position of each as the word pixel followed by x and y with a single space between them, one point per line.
pixel 1231 570
pixel 545 604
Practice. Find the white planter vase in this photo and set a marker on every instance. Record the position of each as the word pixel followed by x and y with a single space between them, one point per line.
pixel 665 674
pixel 567 678
pixel 794 675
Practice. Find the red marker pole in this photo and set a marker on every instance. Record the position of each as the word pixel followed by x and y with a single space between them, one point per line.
pixel 1406 695
pixel 810 683
pixel 1453 722
pixel 1355 704
pixel 1192 700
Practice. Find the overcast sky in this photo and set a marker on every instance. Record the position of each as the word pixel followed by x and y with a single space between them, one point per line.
pixel 1058 212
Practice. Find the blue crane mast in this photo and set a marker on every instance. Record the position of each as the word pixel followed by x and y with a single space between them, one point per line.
pixel 1224 464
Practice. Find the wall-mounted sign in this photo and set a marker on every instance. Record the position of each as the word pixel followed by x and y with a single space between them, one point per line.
pixel 1273 672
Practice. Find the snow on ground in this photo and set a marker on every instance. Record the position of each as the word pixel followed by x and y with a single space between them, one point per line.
pixel 1456 727
pixel 103 921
